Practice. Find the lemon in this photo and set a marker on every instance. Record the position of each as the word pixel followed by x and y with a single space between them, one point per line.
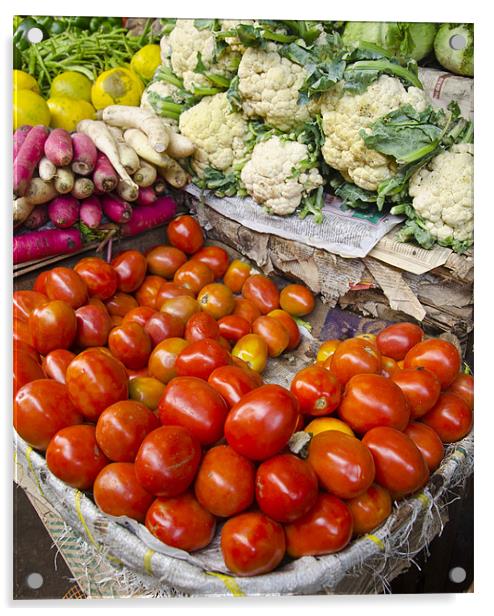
pixel 117 86
pixel 24 81
pixel 30 108
pixel 71 84
pixel 145 61
pixel 67 112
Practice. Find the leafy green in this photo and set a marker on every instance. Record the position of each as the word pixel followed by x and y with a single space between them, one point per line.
pixel 221 184
pixel 312 204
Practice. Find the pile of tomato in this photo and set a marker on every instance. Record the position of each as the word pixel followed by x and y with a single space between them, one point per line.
pixel 141 381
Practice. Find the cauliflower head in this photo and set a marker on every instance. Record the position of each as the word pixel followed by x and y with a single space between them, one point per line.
pixel 269 85
pixel 271 179
pixel 217 132
pixel 442 194
pixel 156 93
pixel 344 114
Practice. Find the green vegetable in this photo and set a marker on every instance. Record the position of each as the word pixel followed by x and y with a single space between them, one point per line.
pixel 453 47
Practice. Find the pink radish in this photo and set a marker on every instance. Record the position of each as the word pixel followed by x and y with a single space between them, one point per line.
pixel 146 196
pixel 85 154
pixel 47 243
pixel 58 147
pixel 28 157
pixel 149 216
pixel 19 137
pixel 116 209
pixel 64 211
pixel 37 218
pixel 105 177
pixel 91 212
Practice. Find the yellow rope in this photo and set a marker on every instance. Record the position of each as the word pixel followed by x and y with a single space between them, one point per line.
pixel 148 556
pixel 229 582
pixel 78 496
pixel 376 540
pixel 29 451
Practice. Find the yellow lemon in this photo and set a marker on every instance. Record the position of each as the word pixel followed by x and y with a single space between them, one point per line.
pixel 322 424
pixel 30 108
pixel 24 81
pixel 71 84
pixel 117 86
pixel 67 112
pixel 145 61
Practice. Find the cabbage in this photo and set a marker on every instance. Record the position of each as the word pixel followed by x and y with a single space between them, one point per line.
pixel 453 47
pixel 401 39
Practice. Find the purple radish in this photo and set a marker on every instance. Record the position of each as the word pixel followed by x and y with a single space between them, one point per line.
pixel 28 157
pixel 147 217
pixel 58 147
pixel 116 209
pixel 146 196
pixel 91 212
pixel 64 211
pixel 19 137
pixel 37 218
pixel 85 154
pixel 83 188
pixel 105 177
pixel 46 243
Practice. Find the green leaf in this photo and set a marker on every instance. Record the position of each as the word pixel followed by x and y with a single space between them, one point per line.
pixel 233 94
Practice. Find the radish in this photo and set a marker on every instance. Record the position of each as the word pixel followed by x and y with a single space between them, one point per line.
pixel 146 196
pixel 64 180
pixel 19 137
pixel 21 211
pixel 47 243
pixel 46 169
pixel 37 218
pixel 174 174
pixel 85 154
pixel 83 188
pixel 147 217
pixel 105 177
pixel 58 147
pixel 128 157
pixel 127 192
pixel 147 121
pixel 116 209
pixel 64 211
pixel 91 212
pixel 39 192
pixel 28 157
pixel 145 175
pixel 160 187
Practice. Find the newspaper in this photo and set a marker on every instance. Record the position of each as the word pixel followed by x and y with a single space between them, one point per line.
pixel 443 87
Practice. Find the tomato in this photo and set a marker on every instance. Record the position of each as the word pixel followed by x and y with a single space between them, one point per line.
pixel 130 267
pixel 372 400
pixel 400 467
pixel 396 340
pixel 165 260
pixel 216 299
pixel 100 277
pixel 322 424
pixel 225 482
pixel 273 332
pixel 317 391
pixel 463 387
pixel 120 304
pixel 368 337
pixel 233 327
pixel 201 325
pixel 55 364
pixel 262 422
pixel 437 355
pixel 252 544
pixel 22 332
pixel 246 309
pixel 370 509
pixel 181 522
pixel 389 367
pixel 162 325
pixel 117 492
pixel 19 346
pixel 237 273
pixel 193 275
pixel 262 292
pixel 24 302
pixel 451 418
pixel 215 258
pixel 325 529
pixel 355 356
pixel 93 326
pixel 95 380
pixel 253 350
pixel 169 290
pixel 421 389
pixel 297 300
pixel 255 377
pixel 192 403
pixel 182 307
pixel 40 283
pixel 232 382
pixel 52 326
pixel 163 357
pixel 140 315
pixel 290 325
pixel 200 358
pixel 428 442
pixel 147 293
pixel 26 367
pixel 122 427
pixel 74 457
pixel 185 233
pixel 327 349
pixel 41 409
pixel 343 465
pixel 167 461
pixel 131 345
pixel 146 389
pixel 65 284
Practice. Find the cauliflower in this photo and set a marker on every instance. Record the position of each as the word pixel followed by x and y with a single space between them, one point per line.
pixel 442 194
pixel 232 41
pixel 156 94
pixel 218 133
pixel 344 114
pixel 269 85
pixel 271 175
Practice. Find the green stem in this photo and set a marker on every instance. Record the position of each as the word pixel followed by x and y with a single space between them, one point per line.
pixel 386 67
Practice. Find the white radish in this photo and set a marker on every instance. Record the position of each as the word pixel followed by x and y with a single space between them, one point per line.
pixel 83 188
pixel 46 169
pixel 22 210
pixel 127 155
pixel 174 175
pixel 138 140
pixel 39 192
pixel 146 174
pixel 127 192
pixel 64 180
pixel 143 119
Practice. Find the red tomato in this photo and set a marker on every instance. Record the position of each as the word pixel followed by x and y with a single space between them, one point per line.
pixel 215 258
pixel 286 487
pixel 232 383
pixel 252 544
pixel 396 340
pixel 26 367
pixel 355 356
pixel 117 492
pixel 40 282
pixel 236 274
pixel 195 405
pixel 182 307
pixel 122 427
pixel 437 355
pixel 200 358
pixel 372 400
pixel 162 325
pixel 327 349
pixel 163 358
pixel 52 326
pixel 167 461
pixel 181 522
pixel 216 299
pixel 55 364
pixel 370 509
pixel 317 390
pixel 253 351
pixel 389 367
pixel 462 386
pixel 22 332
pixel 297 300
pixel 120 304
pixel 201 325
pixel 100 277
pixel 140 315
pixel 147 390
pixel 421 389
pixel 130 266
pixel 273 332
pixel 290 325
pixel 41 409
pixel 451 418
pixel 165 260
pixel 147 293
pixel 246 309
pixel 225 482
pixel 131 345
pixel 262 292
pixel 233 327
pixel 262 422
pixel 93 326
pixel 185 233
pixel 342 463
pixel 400 467
pixel 65 284
pixel 193 275
pixel 95 380
pixel 169 290
pixel 325 529
pixel 25 302
pixel 428 442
